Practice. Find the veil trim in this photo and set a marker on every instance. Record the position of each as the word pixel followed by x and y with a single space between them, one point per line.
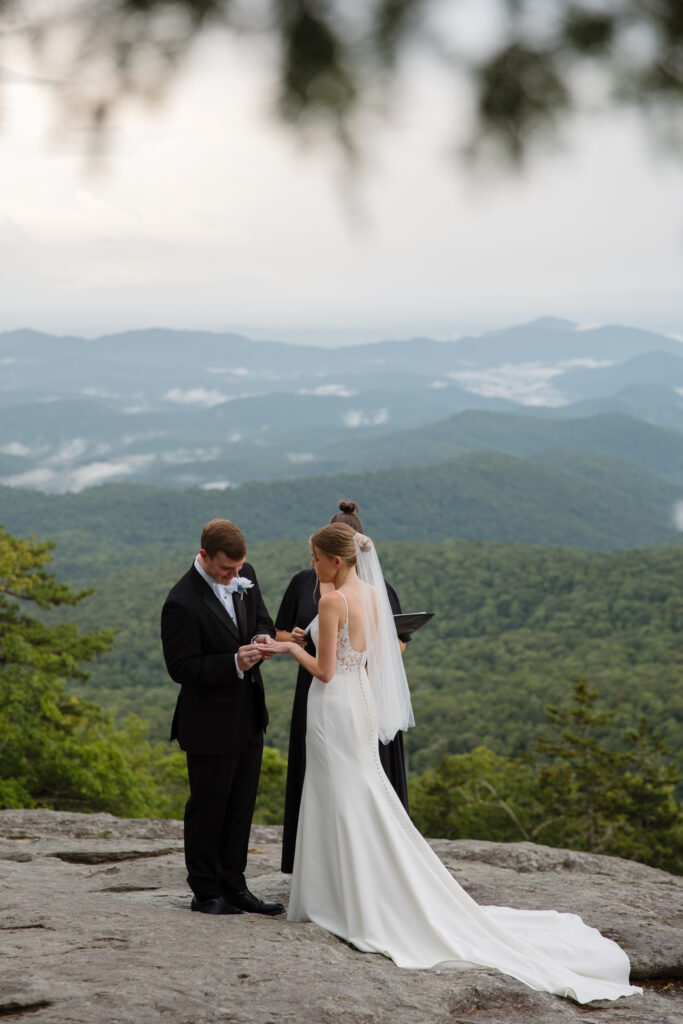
pixel 386 674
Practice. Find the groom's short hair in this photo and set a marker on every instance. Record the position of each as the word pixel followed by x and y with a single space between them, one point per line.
pixel 222 535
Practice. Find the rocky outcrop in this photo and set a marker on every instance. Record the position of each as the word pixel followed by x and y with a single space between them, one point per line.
pixel 95 928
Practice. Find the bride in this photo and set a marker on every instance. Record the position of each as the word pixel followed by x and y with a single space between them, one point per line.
pixel 361 869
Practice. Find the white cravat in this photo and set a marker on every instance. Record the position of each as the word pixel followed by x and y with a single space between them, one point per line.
pixel 222 591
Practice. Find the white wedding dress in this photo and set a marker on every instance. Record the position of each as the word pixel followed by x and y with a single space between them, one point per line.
pixel 364 872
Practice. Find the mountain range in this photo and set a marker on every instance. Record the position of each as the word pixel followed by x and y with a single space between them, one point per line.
pixel 193 409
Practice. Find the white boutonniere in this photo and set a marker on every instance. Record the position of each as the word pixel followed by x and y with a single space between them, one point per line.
pixel 242 584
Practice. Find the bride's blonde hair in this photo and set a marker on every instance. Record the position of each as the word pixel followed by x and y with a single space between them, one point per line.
pixel 336 540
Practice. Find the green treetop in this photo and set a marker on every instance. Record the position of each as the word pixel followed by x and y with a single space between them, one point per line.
pixel 56 750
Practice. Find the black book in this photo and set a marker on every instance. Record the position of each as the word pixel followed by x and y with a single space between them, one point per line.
pixel 409 622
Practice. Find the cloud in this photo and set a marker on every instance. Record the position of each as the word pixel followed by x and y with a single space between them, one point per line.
pixel 330 389
pixel 231 371
pixel 75 480
pixel 217 485
pixel 357 418
pixel 98 393
pixel 15 448
pixel 526 383
pixel 94 473
pixel 678 515
pixel 70 450
pixel 184 455
pixel 39 478
pixel 586 361
pixel 196 396
pixel 149 435
pixel 300 456
pixel 436 384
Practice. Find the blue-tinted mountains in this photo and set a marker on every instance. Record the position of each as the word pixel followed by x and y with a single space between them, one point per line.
pixel 194 409
pixel 654 448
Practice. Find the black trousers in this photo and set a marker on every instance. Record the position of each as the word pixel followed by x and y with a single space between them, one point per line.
pixel 218 818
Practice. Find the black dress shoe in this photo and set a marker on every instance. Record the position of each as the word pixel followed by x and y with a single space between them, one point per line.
pixel 217 905
pixel 247 903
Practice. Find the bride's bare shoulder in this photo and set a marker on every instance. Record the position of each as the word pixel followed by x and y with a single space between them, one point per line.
pixel 331 601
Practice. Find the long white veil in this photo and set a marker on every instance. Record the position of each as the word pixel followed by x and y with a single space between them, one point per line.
pixel 386 674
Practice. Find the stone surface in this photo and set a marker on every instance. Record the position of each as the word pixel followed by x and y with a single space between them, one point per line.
pixel 96 929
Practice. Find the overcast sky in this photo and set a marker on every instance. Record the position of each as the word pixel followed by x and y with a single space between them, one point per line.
pixel 208 214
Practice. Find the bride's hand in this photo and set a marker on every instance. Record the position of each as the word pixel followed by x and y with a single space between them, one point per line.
pixel 275 647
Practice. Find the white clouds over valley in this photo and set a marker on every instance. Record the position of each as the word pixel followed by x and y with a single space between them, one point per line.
pixel 338 390
pixel 300 456
pixel 182 456
pixel 358 418
pixel 78 478
pixel 69 451
pixel 15 448
pixel 196 396
pixel 526 383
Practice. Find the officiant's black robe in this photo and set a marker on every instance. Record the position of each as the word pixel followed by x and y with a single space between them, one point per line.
pixel 299 607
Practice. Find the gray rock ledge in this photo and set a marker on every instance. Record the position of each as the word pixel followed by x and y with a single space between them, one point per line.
pixel 96 929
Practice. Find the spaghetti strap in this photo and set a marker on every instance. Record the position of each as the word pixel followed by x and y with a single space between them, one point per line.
pixel 346 620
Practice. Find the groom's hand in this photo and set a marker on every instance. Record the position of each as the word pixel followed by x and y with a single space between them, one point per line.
pixel 264 640
pixel 247 657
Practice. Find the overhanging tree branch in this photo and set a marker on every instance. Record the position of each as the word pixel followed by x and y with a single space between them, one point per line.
pixel 331 59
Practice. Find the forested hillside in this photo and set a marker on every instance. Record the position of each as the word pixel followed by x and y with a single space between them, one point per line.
pixel 570 498
pixel 514 627
pixel 524 433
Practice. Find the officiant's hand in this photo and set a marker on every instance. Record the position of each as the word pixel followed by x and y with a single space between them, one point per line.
pixel 299 637
pixel 249 655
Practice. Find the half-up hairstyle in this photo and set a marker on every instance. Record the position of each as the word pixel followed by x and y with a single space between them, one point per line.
pixel 336 540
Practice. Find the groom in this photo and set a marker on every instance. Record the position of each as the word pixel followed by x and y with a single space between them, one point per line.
pixel 209 623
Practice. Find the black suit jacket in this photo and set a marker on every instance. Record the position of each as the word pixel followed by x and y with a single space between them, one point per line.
pixel 216 712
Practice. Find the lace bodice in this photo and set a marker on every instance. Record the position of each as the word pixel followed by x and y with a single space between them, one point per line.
pixel 348 659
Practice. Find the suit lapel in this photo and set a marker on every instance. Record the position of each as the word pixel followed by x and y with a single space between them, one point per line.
pixel 221 613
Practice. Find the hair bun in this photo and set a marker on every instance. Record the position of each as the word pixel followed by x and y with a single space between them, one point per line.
pixel 363 543
pixel 348 507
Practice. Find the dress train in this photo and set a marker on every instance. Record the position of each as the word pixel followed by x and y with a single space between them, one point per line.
pixel 363 871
